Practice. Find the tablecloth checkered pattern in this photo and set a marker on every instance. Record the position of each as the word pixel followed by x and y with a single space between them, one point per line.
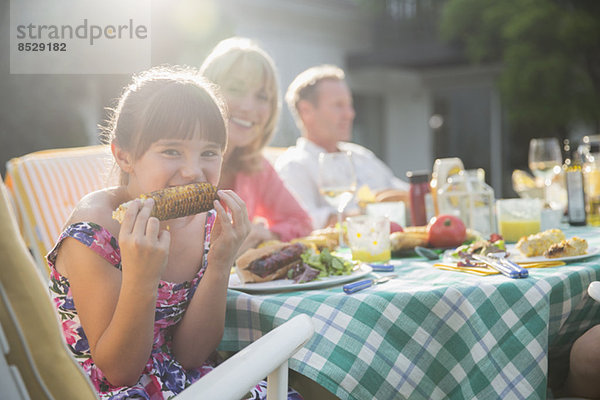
pixel 432 334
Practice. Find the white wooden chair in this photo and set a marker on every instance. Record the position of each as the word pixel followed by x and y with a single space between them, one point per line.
pixel 36 364
pixel 594 290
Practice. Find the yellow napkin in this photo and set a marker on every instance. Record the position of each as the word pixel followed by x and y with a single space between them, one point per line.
pixel 483 271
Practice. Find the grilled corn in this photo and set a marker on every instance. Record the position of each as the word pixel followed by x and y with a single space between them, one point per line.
pixel 175 202
pixel 401 241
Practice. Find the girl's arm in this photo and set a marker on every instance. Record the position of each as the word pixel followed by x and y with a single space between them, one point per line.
pixel 201 328
pixel 116 308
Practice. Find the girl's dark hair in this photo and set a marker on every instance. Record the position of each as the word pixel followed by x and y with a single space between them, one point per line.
pixel 166 103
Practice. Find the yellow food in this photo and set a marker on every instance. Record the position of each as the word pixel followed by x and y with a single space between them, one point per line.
pixel 525 185
pixel 365 196
pixel 330 232
pixel 416 229
pixel 537 244
pixel 401 241
pixel 317 243
pixel 473 236
pixel 175 202
pixel 268 243
pixel 522 180
pixel 567 248
pixel 326 238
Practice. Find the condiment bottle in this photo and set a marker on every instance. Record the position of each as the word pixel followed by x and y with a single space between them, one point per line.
pixel 443 168
pixel 574 183
pixel 419 188
pixel 591 179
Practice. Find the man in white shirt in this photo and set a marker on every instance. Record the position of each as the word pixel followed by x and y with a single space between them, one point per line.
pixel 321 103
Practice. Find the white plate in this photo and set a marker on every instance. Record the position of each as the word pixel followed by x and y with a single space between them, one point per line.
pixel 281 285
pixel 516 256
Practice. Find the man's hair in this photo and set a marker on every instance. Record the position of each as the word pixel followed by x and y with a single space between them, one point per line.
pixel 305 85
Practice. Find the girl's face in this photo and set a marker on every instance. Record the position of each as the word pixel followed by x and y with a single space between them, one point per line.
pixel 174 162
pixel 249 104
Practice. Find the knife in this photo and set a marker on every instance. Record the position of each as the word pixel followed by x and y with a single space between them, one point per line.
pixel 354 287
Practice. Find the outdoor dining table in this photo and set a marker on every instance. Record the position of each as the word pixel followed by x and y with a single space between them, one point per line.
pixel 431 333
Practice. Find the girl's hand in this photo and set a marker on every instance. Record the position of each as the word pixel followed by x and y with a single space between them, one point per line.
pixel 229 231
pixel 144 247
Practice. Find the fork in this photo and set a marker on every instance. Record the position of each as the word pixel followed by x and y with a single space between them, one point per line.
pixel 502 265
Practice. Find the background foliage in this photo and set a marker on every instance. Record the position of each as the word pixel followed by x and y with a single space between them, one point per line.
pixel 550 52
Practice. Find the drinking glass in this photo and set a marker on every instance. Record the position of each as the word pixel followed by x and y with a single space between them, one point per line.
pixel 337 183
pixel 369 238
pixel 518 217
pixel 545 160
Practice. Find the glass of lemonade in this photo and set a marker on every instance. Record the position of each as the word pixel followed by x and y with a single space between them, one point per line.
pixel 369 238
pixel 518 217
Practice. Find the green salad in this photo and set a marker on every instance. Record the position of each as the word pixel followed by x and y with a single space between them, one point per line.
pixel 327 264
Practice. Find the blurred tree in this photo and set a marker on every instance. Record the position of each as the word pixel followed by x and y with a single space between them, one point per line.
pixel 550 52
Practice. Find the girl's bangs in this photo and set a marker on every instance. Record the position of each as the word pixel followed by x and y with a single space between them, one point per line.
pixel 182 112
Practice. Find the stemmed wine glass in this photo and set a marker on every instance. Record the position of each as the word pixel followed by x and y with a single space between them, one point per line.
pixel 337 183
pixel 545 160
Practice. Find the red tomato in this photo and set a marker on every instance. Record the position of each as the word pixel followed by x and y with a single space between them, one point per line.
pixel 446 231
pixel 494 237
pixel 395 227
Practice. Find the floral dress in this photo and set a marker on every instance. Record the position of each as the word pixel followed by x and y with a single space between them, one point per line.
pixel 163 377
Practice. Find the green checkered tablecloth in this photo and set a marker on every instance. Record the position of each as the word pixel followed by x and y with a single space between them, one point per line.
pixel 432 334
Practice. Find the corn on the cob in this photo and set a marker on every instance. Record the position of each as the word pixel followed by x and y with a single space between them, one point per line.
pixel 175 202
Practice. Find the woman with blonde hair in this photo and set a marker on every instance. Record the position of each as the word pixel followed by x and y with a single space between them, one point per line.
pixel 246 77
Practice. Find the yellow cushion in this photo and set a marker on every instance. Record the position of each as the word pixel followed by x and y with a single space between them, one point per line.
pixel 30 322
pixel 46 185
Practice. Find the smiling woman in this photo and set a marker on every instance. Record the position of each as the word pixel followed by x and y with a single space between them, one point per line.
pixel 247 79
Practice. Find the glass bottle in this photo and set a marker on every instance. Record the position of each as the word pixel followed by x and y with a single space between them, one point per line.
pixel 419 189
pixel 591 183
pixel 443 168
pixel 574 183
pixel 468 197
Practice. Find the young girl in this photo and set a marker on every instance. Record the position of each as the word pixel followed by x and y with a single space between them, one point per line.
pixel 142 303
pixel 247 79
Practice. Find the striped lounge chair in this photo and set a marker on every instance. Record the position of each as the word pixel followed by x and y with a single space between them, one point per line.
pixel 45 186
